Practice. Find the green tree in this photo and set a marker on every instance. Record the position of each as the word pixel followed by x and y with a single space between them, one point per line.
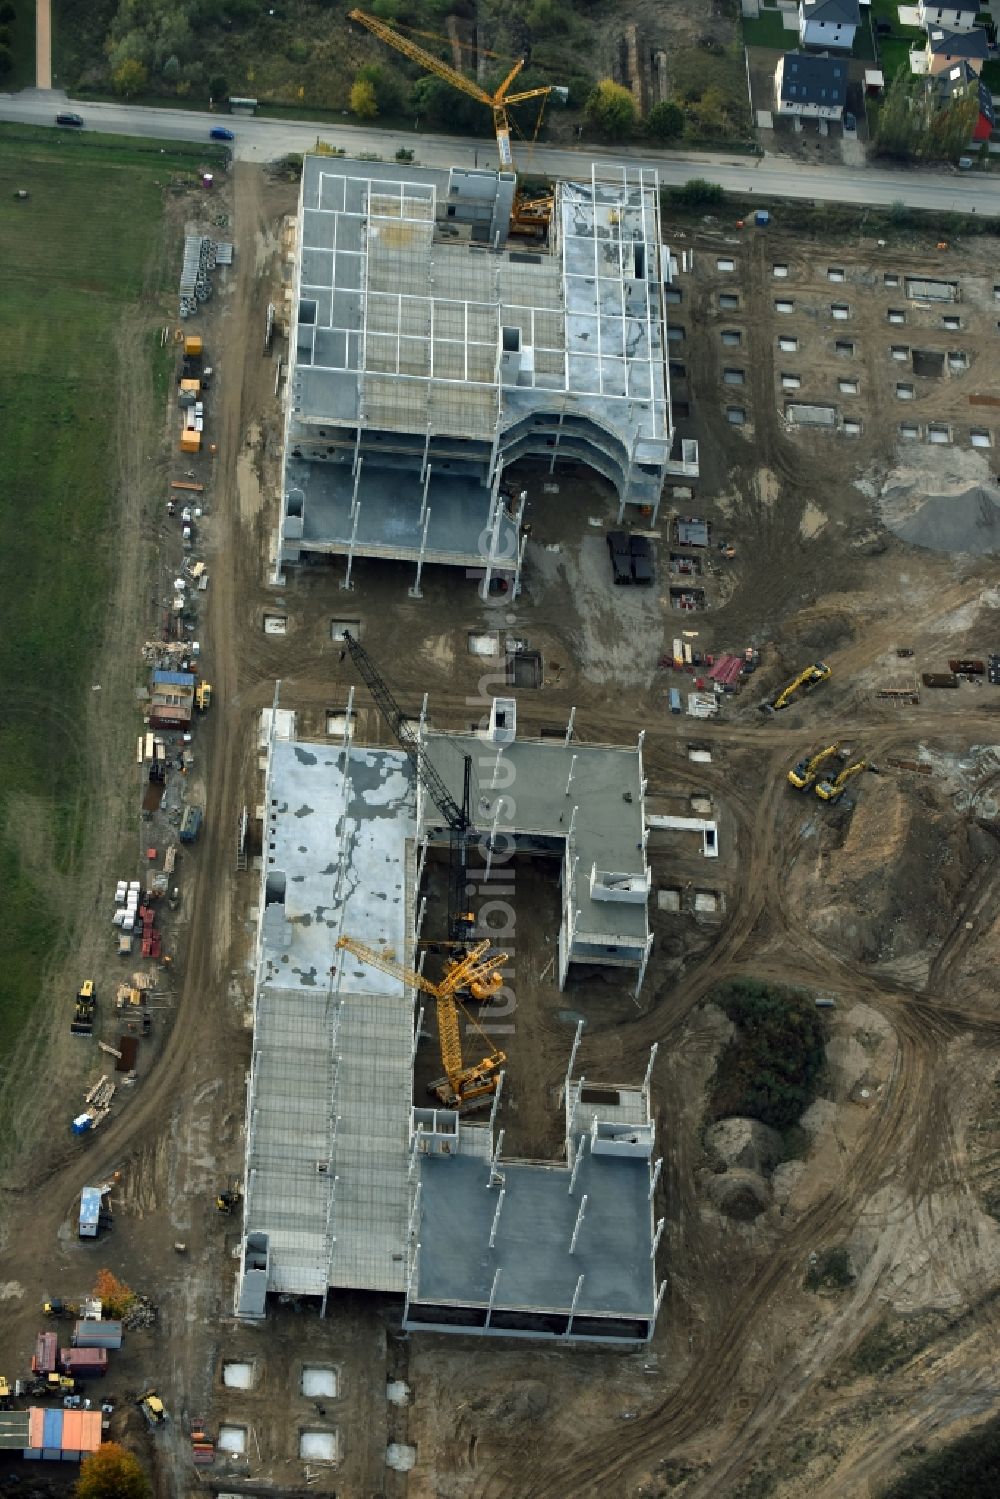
pixel 363 101
pixel 218 88
pixel 112 1472
pixel 769 1069
pixel 6 61
pixel 665 121
pixel 8 12
pixel 610 109
pixel 130 77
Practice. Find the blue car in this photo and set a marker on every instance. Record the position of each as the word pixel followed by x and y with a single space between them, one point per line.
pixel 220 133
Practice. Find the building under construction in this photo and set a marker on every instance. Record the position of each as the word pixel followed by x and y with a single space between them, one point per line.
pixel 352 1182
pixel 428 353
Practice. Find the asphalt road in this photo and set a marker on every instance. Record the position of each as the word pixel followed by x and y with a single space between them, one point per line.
pixel 770 177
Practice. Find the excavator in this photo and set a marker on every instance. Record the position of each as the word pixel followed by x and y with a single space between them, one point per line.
pixel 461 1088
pixel 810 677
pixel 529 215
pixel 831 791
pixel 801 776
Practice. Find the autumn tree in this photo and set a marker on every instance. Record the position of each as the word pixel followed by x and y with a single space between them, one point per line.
pixel 112 1472
pixel 363 102
pixel 115 1296
pixel 611 110
pixel 130 77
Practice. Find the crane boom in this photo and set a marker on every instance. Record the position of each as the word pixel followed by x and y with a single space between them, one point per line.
pixel 476 972
pixel 409 742
pixel 418 54
pixel 496 102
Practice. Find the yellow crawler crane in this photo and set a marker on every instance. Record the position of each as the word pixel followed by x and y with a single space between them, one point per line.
pixel 529 215
pixel 801 776
pixel 461 1087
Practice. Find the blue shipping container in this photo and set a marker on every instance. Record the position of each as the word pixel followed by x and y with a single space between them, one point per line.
pixel 52 1429
pixel 174 678
pixel 675 700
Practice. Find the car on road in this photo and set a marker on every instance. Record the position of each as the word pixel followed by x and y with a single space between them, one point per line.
pixel 76 121
pixel 220 133
pixel 850 123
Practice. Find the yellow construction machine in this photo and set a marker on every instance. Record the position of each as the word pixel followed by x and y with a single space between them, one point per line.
pixel 476 974
pixel 831 791
pixel 529 215
pixel 810 677
pixel 229 1199
pixel 801 776
pixel 203 696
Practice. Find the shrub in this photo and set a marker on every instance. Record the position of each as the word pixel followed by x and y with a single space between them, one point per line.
pixel 696 192
pixel 218 88
pixel 6 61
pixel 665 122
pixel 610 109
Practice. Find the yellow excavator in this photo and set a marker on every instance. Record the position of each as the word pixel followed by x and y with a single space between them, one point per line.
pixel 462 1087
pixel 810 677
pixel 529 215
pixel 831 791
pixel 801 776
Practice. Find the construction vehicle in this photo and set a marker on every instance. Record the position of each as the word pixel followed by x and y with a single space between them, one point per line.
pixel 801 776
pixel 56 1307
pixel 809 678
pixel 831 791
pixel 457 817
pixel 462 1087
pixel 152 1409
pixel 203 696
pixel 229 1199
pixel 5 1394
pixel 528 215
pixel 82 1023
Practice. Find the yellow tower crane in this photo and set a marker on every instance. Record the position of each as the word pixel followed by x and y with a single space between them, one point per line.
pixel 461 1087
pixel 529 215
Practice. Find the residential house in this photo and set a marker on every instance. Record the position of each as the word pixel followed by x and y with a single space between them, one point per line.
pixel 955 15
pixel 946 48
pixel 961 82
pixel 829 23
pixel 810 87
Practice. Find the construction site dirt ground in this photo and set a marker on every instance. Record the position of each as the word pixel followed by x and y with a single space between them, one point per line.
pixel 886 905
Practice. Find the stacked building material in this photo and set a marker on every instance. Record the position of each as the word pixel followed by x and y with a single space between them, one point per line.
pixel 202 1446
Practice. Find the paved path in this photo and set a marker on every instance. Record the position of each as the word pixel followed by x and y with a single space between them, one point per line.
pixel 43 44
pixel 260 140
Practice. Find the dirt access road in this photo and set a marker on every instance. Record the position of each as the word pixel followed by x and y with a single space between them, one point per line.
pixel 745 1362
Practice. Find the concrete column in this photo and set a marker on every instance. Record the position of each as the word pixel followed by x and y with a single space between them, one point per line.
pixel 572 1310
pixel 569 726
pixel 643 963
pixel 569 778
pixel 496 1216
pixel 423 498
pixel 493 1297
pixel 573 1051
pixel 580 1150
pixel 655 1178
pixel 579 1224
pixel 347 585
pixel 415 591
pixel 656 1238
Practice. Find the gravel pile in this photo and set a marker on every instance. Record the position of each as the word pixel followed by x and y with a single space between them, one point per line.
pixel 943 499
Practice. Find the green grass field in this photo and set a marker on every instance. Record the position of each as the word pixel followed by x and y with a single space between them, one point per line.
pixel 73 255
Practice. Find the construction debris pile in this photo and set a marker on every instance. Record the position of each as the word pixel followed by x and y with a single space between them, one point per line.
pixel 943 498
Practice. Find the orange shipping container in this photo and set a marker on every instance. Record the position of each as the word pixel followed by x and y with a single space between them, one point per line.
pixel 72 1431
pixel 36 1425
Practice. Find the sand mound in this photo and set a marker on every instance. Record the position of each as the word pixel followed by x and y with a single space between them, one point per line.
pixel 942 498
